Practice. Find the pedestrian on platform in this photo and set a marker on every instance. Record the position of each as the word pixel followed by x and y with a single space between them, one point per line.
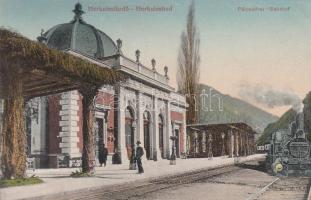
pixel 139 154
pixel 102 157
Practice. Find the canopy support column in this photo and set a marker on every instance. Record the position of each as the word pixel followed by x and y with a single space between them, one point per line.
pixel 88 154
pixel 13 141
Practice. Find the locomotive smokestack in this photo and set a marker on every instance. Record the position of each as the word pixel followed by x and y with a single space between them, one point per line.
pixel 300 125
pixel 300 120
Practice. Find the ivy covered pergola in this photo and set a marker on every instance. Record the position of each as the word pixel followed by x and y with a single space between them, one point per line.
pixel 30 69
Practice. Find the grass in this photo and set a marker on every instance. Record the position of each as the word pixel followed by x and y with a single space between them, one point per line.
pixel 78 174
pixel 19 182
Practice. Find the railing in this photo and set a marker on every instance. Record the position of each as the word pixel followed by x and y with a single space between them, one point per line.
pixel 147 72
pixel 178 97
pixel 62 161
pixel 31 163
pixel 111 62
pixel 162 79
pixel 130 64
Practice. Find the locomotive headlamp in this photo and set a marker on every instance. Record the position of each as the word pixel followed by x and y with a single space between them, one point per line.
pixel 278 167
pixel 290 150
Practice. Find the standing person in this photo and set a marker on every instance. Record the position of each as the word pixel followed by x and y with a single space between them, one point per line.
pixel 133 159
pixel 139 154
pixel 102 157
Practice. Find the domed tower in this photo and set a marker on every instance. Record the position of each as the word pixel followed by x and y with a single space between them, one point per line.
pixel 80 37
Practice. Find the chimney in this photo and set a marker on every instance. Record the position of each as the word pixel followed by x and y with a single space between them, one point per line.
pixel 300 126
pixel 300 121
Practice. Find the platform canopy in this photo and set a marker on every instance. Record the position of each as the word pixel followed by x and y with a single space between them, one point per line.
pixel 46 71
pixel 238 126
pixel 30 69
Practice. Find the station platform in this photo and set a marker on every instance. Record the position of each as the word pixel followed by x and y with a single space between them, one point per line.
pixel 58 181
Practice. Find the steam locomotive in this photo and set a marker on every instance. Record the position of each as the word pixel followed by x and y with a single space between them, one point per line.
pixel 289 152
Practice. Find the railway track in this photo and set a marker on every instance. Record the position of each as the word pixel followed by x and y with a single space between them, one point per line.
pixel 285 188
pixel 140 188
pixel 277 188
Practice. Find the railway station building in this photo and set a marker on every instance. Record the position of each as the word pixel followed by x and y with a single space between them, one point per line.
pixel 144 107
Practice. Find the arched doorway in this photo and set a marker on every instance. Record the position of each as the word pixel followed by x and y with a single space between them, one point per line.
pixel 129 131
pixel 98 136
pixel 161 140
pixel 177 131
pixel 147 142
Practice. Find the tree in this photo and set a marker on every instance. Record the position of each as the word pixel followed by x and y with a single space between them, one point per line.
pixel 88 102
pixel 307 115
pixel 188 65
pixel 13 138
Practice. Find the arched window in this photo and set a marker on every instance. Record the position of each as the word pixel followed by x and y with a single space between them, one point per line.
pixel 129 131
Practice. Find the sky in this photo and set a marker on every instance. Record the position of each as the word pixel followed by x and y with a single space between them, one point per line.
pixel 256 47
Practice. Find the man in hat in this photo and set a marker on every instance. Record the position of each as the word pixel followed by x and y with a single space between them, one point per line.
pixel 139 154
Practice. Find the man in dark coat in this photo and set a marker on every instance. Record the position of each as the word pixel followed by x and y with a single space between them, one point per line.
pixel 139 154
pixel 102 156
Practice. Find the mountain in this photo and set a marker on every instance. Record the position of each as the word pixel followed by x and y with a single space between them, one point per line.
pixel 286 119
pixel 282 123
pixel 215 107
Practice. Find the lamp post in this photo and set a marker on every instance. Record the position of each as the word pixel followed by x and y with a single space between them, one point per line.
pixel 173 155
pixel 133 156
pixel 132 159
pixel 223 144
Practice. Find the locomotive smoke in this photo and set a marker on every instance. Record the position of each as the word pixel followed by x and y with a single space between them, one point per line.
pixel 270 97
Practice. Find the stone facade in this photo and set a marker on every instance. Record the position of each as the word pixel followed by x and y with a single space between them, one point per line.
pixel 63 130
